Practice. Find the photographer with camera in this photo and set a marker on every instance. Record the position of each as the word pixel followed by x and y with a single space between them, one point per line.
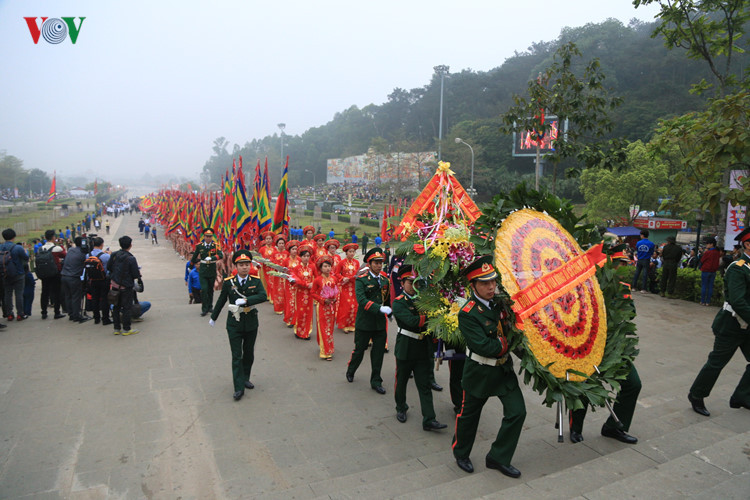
pixel 97 280
pixel 123 272
pixel 72 279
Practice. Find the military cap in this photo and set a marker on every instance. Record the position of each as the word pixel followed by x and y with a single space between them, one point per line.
pixel 407 272
pixel 374 254
pixel 617 252
pixel 242 256
pixel 481 269
pixel 208 231
pixel 743 236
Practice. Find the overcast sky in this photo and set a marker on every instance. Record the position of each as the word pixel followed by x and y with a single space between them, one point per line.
pixel 150 84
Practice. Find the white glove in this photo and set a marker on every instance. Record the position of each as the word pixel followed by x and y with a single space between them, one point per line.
pixel 211 322
pixel 386 310
pixel 208 258
pixel 240 302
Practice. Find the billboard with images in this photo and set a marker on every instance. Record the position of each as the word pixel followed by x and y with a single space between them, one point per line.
pixel 405 168
pixel 524 143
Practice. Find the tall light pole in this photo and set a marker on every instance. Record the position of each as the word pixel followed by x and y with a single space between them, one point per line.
pixel 282 126
pixel 441 70
pixel 313 174
pixel 472 191
pixel 699 218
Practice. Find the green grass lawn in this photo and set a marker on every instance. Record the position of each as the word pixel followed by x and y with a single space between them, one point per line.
pixel 8 220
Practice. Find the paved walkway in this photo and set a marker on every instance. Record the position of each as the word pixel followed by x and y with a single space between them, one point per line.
pixel 85 414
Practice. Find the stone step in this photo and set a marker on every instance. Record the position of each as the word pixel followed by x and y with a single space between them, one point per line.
pixel 721 465
pixel 390 487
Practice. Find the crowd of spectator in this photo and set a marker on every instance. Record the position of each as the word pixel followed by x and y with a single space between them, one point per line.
pixel 78 275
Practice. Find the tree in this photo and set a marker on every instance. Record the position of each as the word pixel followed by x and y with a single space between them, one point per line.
pixel 715 141
pixel 707 30
pixel 641 181
pixel 711 143
pixel 12 173
pixel 581 101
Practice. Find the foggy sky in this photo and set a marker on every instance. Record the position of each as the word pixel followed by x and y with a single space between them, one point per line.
pixel 150 84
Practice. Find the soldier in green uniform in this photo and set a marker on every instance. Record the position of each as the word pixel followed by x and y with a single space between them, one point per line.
pixel 627 398
pixel 413 352
pixel 488 372
pixel 207 253
pixel 373 294
pixel 731 331
pixel 242 292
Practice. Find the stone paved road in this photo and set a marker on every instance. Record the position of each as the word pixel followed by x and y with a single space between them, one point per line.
pixel 86 414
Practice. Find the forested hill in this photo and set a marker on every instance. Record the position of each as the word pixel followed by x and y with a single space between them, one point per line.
pixel 653 81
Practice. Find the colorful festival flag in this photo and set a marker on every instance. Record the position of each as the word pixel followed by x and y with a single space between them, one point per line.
pixel 281 210
pixel 52 188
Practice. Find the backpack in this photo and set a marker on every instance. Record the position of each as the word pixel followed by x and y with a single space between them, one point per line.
pixel 94 269
pixel 45 264
pixel 8 268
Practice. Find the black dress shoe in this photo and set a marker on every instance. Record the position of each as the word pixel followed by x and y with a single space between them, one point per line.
pixel 83 319
pixel 2 326
pixel 508 470
pixel 576 437
pixel 436 387
pixel 249 385
pixel 698 405
pixel 433 425
pixel 203 313
pixel 736 403
pixel 44 314
pixel 58 316
pixel 379 389
pixel 465 464
pixel 401 416
pixel 238 395
pixel 106 322
pixel 97 321
pixel 349 378
pixel 619 435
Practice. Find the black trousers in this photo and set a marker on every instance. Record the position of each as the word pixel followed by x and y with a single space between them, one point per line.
pixel 72 293
pixel 99 303
pixel 51 293
pixel 121 313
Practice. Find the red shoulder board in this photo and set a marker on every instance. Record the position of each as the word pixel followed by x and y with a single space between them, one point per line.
pixel 399 297
pixel 468 306
pixel 383 274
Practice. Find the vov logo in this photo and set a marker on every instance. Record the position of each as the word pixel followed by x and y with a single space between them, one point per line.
pixel 54 30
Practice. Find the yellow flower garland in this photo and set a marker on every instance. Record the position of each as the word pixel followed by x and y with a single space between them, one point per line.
pixel 570 332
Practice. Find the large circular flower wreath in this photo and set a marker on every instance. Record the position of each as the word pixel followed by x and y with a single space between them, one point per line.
pixel 441 245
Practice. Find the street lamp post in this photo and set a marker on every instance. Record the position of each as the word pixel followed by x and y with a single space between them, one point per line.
pixel 699 218
pixel 441 70
pixel 313 174
pixel 472 191
pixel 282 126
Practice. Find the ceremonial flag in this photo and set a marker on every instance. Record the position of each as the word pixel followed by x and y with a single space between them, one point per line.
pixel 264 210
pixel 281 210
pixel 243 215
pixel 52 188
pixel 384 225
pixel 254 210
